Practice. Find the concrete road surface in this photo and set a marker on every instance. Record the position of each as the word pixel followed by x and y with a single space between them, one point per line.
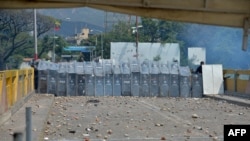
pixel 141 119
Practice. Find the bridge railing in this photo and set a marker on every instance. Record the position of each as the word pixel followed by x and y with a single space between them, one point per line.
pixel 14 86
pixel 237 81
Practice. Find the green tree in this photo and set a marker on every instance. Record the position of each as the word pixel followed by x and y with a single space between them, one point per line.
pixel 15 28
pixel 149 31
pixel 152 30
pixel 155 30
pixel 47 44
pixel 121 32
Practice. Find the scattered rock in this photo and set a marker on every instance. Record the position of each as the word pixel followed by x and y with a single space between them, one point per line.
pixel 198 127
pixel 215 138
pixel 88 129
pixel 99 135
pixel 48 122
pixel 158 124
pixel 38 106
pixel 58 126
pixel 109 131
pixel 163 138
pixel 85 135
pixel 72 131
pixel 126 135
pixel 189 131
pixel 163 109
pixel 86 139
pixel 195 116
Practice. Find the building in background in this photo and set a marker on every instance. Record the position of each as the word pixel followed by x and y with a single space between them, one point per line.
pixel 76 40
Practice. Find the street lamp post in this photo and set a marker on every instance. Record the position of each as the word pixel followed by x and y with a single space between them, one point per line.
pixel 54 46
pixel 53 55
pixel 135 30
pixel 137 37
pixel 101 41
pixel 35 35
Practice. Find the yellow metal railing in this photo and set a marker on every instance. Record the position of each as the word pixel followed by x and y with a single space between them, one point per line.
pixel 14 85
pixel 237 81
pixel 229 81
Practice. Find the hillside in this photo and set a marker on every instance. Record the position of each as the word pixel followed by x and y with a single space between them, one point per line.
pixel 87 15
pixel 74 19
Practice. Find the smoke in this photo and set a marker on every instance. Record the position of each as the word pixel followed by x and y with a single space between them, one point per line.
pixel 223 45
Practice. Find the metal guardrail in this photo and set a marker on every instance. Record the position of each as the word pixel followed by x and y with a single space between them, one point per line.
pixel 237 81
pixel 14 85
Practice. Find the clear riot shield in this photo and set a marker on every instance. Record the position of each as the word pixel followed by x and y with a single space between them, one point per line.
pixel 174 86
pixel 80 79
pixel 99 79
pixel 52 78
pixel 117 87
pixel 144 80
pixel 126 77
pixel 135 78
pixel 197 89
pixel 154 79
pixel 89 79
pixel 108 78
pixel 71 83
pixel 164 80
pixel 62 79
pixel 185 83
pixel 42 76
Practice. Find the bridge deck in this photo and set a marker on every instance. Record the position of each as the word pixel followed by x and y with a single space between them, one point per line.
pixel 126 118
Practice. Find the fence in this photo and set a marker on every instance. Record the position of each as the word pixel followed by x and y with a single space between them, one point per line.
pixel 14 85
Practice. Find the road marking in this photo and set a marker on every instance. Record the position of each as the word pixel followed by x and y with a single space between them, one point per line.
pixel 170 116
